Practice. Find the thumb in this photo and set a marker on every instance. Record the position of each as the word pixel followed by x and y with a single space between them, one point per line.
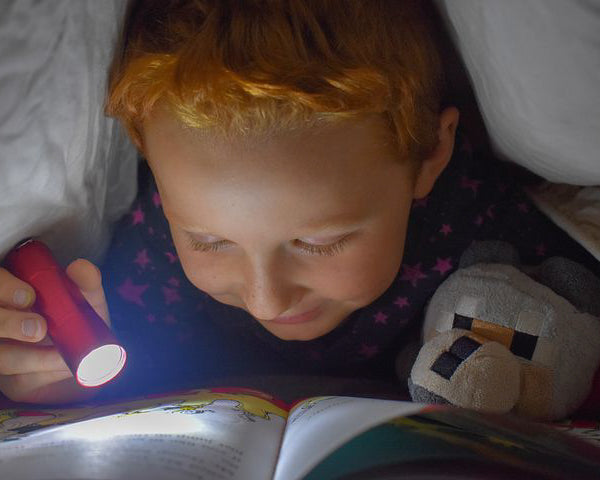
pixel 88 278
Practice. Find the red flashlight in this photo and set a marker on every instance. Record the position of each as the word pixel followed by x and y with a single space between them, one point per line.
pixel 85 342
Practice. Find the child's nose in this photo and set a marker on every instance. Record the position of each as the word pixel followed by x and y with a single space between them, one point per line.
pixel 268 293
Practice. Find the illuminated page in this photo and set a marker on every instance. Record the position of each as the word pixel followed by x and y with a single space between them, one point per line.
pixel 208 435
pixel 318 426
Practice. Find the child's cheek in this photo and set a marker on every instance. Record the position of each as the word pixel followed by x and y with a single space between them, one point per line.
pixel 359 278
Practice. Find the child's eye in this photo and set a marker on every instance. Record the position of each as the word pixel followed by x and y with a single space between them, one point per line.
pixel 329 250
pixel 311 249
pixel 207 246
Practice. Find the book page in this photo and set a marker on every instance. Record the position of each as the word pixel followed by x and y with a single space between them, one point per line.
pixel 318 426
pixel 206 435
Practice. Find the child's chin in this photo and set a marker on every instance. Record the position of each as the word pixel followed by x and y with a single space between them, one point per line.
pixel 299 332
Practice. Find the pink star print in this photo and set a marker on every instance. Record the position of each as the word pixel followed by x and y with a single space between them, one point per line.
pixel 142 258
pixel 368 350
pixel 490 211
pixel 171 256
pixel 446 229
pixel 420 202
pixel 478 220
pixel 466 182
pixel 173 281
pixel 132 292
pixel 466 147
pixel 151 318
pixel 540 250
pixel 402 302
pixel 156 199
pixel 138 215
pixel 171 295
pixel 443 265
pixel 412 274
pixel 381 317
pixel 170 319
pixel 523 207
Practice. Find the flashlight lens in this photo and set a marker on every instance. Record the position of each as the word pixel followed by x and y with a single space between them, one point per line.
pixel 101 365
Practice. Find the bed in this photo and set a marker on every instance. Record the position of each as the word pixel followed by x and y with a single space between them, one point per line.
pixel 69 173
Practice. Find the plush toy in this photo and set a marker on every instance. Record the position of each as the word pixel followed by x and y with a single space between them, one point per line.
pixel 500 337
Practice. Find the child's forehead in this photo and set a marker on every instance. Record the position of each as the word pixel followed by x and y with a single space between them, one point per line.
pixel 366 136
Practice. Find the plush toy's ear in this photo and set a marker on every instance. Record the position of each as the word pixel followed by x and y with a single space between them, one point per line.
pixel 572 281
pixel 489 251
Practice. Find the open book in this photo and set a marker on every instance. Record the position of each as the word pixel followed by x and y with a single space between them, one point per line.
pixel 227 434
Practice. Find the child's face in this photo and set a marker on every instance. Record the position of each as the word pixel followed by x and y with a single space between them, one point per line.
pixel 309 224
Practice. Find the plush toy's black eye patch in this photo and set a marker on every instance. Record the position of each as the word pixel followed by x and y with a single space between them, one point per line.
pixel 447 363
pixel 523 345
pixel 460 321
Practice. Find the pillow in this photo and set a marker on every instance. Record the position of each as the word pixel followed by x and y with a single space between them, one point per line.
pixel 575 209
pixel 67 171
pixel 535 70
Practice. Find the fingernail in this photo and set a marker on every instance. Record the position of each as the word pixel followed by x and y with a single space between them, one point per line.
pixel 30 327
pixel 22 297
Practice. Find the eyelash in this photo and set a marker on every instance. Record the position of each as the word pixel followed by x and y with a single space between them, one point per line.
pixel 325 250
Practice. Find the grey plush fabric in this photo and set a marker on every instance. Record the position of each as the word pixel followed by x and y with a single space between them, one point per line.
pixel 491 251
pixel 572 281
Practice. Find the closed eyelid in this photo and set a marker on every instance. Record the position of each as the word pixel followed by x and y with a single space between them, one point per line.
pixel 322 240
pixel 206 238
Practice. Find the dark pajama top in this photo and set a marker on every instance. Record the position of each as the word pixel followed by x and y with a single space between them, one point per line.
pixel 178 337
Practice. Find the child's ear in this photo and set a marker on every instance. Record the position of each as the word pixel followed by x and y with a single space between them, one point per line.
pixel 431 167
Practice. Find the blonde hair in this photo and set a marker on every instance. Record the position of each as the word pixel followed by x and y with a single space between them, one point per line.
pixel 262 66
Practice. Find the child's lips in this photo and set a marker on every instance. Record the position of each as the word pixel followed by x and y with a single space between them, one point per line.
pixel 301 318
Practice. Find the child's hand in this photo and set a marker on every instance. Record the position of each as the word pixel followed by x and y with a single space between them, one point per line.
pixel 31 369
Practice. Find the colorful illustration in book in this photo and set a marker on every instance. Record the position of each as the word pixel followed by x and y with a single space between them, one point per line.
pixel 245 407
pixel 17 423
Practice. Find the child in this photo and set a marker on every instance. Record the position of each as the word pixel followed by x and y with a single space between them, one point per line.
pixel 299 153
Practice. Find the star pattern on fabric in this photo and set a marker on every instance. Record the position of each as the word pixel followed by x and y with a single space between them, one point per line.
pixel 137 216
pixel 171 295
pixel 156 200
pixel 470 183
pixel 368 351
pixel 131 292
pixel 402 302
pixel 314 355
pixel 443 265
pixel 420 202
pixel 447 224
pixel 540 250
pixel 142 258
pixel 412 274
pixel 381 318
pixel 446 229
pixel 172 257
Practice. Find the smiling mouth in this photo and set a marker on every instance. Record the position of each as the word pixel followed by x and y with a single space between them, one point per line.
pixel 302 318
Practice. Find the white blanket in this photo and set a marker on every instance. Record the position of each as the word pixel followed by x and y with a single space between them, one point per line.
pixel 66 171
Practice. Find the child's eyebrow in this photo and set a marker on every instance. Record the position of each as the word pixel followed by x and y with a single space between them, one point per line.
pixel 338 222
pixel 334 224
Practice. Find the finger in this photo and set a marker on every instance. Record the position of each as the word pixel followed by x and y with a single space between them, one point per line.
pixel 15 292
pixel 89 280
pixel 23 326
pixel 46 388
pixel 18 358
